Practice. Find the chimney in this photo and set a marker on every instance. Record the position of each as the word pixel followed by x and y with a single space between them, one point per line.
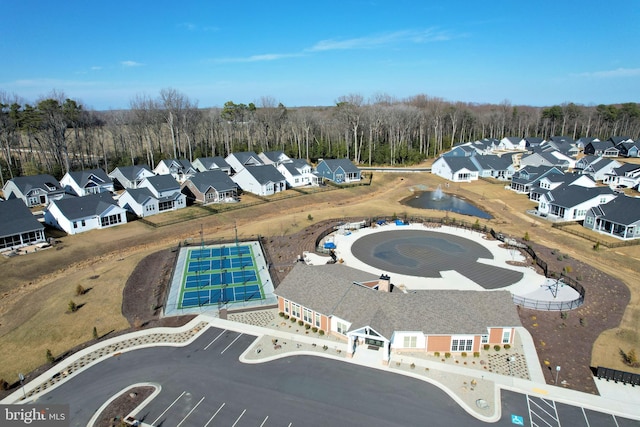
pixel 384 283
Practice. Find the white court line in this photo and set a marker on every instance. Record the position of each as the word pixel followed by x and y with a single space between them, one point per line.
pixel 585 417
pixel 215 339
pixel 187 416
pixel 214 415
pixel 265 420
pixel 234 424
pixel 227 347
pixel 169 407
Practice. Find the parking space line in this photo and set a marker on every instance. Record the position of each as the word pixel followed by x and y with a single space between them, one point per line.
pixel 585 417
pixel 214 415
pixel 615 420
pixel 234 424
pixel 265 420
pixel 168 407
pixel 215 339
pixel 190 412
pixel 227 347
pixel 538 418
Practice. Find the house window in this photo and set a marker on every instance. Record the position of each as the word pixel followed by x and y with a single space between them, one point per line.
pixel 543 205
pixel 342 328
pixel 307 315
pixel 163 206
pixel 318 320
pixel 506 336
pixel 110 220
pixel 603 200
pixel 286 306
pixel 461 344
pixel 484 339
pixel 410 341
pixel 295 310
pixel 75 224
pixel 83 223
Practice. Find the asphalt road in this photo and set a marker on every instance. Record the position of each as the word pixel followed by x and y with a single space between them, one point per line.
pixel 204 384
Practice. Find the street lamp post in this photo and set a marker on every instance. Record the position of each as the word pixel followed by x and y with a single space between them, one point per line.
pixel 557 372
pixel 510 360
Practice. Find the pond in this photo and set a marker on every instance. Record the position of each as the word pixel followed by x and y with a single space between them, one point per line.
pixel 441 201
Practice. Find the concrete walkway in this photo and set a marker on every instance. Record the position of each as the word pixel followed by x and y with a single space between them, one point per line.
pixel 475 386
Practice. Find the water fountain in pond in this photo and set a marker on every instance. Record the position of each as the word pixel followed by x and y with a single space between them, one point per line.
pixel 437 194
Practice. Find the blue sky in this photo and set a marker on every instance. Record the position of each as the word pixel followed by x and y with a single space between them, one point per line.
pixel 307 53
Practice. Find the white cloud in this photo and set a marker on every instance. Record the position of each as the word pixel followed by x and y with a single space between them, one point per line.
pixel 406 36
pixel 618 72
pixel 130 64
pixel 259 58
pixel 96 68
pixel 190 26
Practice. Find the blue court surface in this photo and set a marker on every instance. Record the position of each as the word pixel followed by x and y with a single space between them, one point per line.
pixel 220 275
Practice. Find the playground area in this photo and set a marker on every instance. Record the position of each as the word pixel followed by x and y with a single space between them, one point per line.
pixel 214 277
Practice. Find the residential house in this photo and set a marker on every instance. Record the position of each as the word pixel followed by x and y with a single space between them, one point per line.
pixel 298 173
pixel 582 142
pixel 627 175
pixel 212 186
pixel 599 148
pixel 463 150
pixel 18 226
pixel 203 164
pixel 600 168
pixel 523 180
pixel 82 183
pixel 239 161
pixel 262 180
pixel 532 142
pixel 553 181
pixel 79 214
pixel 511 143
pixel 340 171
pixel 619 218
pixel 571 203
pixel 366 310
pixel 546 158
pixel 629 149
pixel 130 176
pixel 33 190
pixel 492 166
pixel 140 202
pixel 167 190
pixel 615 140
pixel 179 169
pixel 584 162
pixel 275 158
pixel 456 169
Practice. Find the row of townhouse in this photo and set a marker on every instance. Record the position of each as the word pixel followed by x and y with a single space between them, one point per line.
pixel 84 200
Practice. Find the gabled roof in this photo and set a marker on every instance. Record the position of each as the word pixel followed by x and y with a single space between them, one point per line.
pixel 83 207
pixel 562 139
pixel 570 196
pixel 45 182
pixel 82 178
pixel 215 179
pixel 132 172
pixel 615 140
pixel 181 164
pixel 600 145
pixel 16 218
pixel 265 174
pixel 140 195
pixel 216 162
pixel 330 290
pixel 622 210
pixel 529 174
pixel 491 162
pixel 163 183
pixel 533 141
pixel 459 163
pixel 275 156
pixel 600 163
pixel 625 168
pixel 345 164
pixel 247 158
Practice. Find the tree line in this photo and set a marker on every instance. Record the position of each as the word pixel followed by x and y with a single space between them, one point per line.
pixel 57 134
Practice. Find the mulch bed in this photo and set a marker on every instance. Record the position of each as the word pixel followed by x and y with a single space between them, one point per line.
pixel 567 340
pixel 114 414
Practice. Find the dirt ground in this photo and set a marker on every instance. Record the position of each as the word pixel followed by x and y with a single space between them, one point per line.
pixel 36 287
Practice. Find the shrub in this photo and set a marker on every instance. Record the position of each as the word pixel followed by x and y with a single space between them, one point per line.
pixel 3 384
pixel 447 355
pixel 309 217
pixel 286 316
pixel 307 326
pixel 412 366
pixel 80 290
pixel 564 315
pixel 320 332
pixel 436 354
pixel 50 357
pixel 486 346
pixel 281 314
pixel 300 322
pixel 596 247
pixel 293 320
pixel 73 307
pixel 324 347
pixel 476 354
pixel 463 354
pixel 314 329
pixel 567 269
pixel 496 347
pixel 507 346
pixel 95 333
pixel 526 237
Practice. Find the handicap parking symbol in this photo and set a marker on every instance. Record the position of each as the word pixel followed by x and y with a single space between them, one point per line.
pixel 517 420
